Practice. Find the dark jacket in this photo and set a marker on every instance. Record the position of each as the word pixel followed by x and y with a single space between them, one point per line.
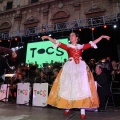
pixel 4 50
pixel 103 81
pixel 3 65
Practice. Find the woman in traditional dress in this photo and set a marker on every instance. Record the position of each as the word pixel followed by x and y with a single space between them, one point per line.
pixel 74 86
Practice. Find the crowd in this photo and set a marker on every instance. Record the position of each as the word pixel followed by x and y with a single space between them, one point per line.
pixel 104 71
pixel 71 84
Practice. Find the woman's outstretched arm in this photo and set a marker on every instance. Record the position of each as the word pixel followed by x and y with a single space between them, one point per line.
pixel 49 38
pixel 100 38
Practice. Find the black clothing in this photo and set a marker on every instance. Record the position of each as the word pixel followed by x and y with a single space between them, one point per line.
pixel 40 80
pixel 92 68
pixel 14 88
pixel 4 50
pixel 103 88
pixel 3 65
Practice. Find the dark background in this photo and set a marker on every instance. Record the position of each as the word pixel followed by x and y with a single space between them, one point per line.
pixel 105 48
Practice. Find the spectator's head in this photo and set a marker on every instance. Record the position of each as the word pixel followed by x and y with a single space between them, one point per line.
pixel 55 72
pixel 92 62
pixel 98 69
pixel 114 63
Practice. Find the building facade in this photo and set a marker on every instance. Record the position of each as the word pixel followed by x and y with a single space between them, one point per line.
pixel 21 17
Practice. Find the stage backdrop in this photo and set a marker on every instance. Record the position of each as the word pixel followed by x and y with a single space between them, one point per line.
pixel 43 52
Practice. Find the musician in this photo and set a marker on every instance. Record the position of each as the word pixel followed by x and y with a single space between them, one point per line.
pixel 3 62
pixel 4 66
pixel 15 81
pixel 41 78
pixel 4 50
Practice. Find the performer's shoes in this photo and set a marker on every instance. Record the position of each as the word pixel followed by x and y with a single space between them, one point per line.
pixel 82 116
pixel 66 112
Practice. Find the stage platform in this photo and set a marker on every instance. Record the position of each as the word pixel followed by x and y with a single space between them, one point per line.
pixel 10 111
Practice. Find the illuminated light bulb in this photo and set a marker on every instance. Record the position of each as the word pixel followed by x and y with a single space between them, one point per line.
pixel 105 26
pixel 92 28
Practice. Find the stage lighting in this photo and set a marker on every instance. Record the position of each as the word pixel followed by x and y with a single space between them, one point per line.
pixel 105 26
pixel 50 35
pixel 80 29
pixel 8 40
pixel 92 28
pixel 114 26
pixel 16 39
pixel 38 36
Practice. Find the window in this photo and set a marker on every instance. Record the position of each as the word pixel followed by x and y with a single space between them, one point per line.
pixel 4 35
pixel 60 26
pixel 34 1
pixel 96 21
pixel 9 5
pixel 30 31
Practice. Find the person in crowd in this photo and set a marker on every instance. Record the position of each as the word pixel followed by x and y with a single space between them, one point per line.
pixel 53 77
pixel 41 78
pixel 3 66
pixel 13 88
pixel 115 72
pixel 64 61
pixel 92 65
pixel 4 50
pixel 3 63
pixel 33 73
pixel 103 87
pixel 74 86
pixel 106 63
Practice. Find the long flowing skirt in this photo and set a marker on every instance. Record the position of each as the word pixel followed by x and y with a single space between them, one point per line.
pixel 74 87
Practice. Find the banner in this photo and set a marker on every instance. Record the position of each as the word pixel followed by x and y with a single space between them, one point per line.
pixel 4 92
pixel 40 94
pixel 23 91
pixel 38 52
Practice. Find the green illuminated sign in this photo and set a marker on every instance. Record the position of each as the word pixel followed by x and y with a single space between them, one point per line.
pixel 43 52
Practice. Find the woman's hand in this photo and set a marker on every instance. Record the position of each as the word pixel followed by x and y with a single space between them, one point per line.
pixel 106 37
pixel 44 37
pixel 49 38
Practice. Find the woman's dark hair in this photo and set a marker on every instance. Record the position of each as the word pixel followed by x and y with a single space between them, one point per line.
pixel 77 35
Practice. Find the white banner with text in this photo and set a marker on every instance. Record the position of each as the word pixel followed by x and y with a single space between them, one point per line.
pixel 40 94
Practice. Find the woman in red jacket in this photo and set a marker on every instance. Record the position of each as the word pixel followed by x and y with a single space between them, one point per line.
pixel 74 86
